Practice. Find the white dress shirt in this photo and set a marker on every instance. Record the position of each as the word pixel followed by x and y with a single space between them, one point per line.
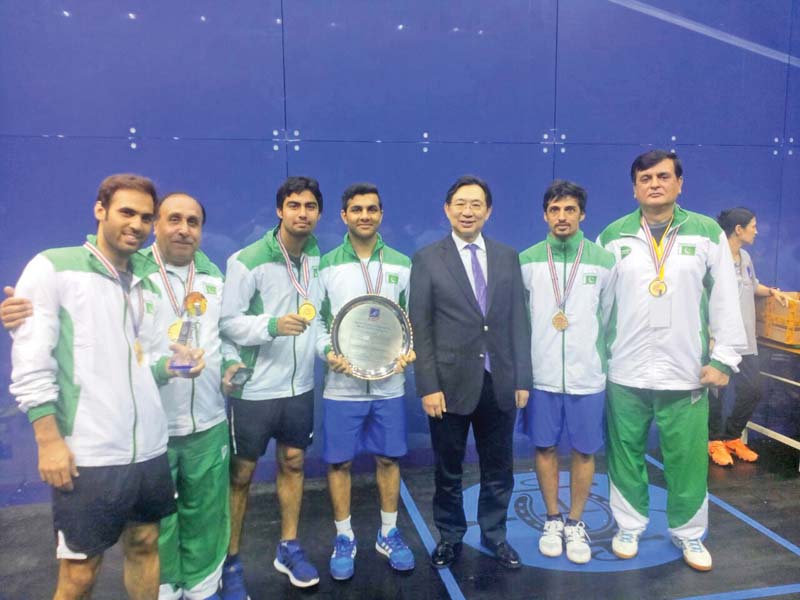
pixel 466 257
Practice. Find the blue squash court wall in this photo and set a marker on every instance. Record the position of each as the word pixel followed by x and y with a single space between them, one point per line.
pixel 224 100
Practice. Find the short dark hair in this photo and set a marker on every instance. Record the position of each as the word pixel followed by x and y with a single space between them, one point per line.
pixel 296 185
pixel 728 219
pixel 561 188
pixel 171 194
pixel 652 158
pixel 359 189
pixel 470 180
pixel 125 181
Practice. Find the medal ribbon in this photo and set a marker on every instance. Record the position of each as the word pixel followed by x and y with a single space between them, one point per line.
pixel 303 291
pixel 376 289
pixel 173 299
pixel 561 302
pixel 115 276
pixel 658 253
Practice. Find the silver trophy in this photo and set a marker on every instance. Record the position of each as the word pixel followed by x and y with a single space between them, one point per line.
pixel 371 332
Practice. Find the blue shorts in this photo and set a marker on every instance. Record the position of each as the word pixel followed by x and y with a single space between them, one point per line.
pixel 549 414
pixel 374 426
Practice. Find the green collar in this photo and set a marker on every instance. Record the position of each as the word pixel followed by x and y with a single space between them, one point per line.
pixel 568 246
pixel 348 247
pixel 309 248
pixel 202 263
pixel 141 265
pixel 633 221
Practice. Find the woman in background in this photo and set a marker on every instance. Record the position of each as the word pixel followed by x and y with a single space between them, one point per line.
pixel 724 438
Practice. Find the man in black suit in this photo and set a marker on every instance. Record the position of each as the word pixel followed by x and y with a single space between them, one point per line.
pixel 472 338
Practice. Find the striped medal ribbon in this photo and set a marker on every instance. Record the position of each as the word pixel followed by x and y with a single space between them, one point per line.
pixel 112 271
pixel 373 289
pixel 559 320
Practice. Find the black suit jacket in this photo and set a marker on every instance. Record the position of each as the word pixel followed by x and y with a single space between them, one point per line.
pixel 451 335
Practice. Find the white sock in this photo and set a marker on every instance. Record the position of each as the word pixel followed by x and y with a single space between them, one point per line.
pixel 388 522
pixel 343 527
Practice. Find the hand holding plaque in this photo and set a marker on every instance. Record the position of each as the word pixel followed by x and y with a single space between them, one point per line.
pixel 404 360
pixel 373 335
pixel 338 363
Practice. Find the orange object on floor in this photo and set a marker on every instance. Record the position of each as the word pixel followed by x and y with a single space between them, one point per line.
pixel 740 449
pixel 719 453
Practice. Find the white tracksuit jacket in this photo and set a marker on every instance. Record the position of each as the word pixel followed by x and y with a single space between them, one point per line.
pixel 192 405
pixel 257 292
pixel 665 349
pixel 75 358
pixel 572 361
pixel 342 280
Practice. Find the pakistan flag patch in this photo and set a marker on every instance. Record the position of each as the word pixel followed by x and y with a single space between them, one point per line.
pixel 590 279
pixel 149 308
pixel 687 250
pixel 392 278
pixel 211 289
pixel 624 251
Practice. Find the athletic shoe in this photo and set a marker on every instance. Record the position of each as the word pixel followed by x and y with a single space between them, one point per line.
pixel 550 542
pixel 718 452
pixel 396 550
pixel 343 557
pixel 625 543
pixel 292 561
pixel 740 449
pixel 577 542
pixel 233 581
pixel 694 553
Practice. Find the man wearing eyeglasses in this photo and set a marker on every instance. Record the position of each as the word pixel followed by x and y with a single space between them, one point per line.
pixel 472 339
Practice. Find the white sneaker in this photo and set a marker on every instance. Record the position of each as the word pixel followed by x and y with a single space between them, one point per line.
pixel 550 542
pixel 577 540
pixel 625 543
pixel 694 553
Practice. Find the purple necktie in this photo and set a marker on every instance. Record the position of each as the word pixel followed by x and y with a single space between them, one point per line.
pixel 480 289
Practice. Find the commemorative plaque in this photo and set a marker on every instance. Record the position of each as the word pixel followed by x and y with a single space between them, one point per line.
pixel 371 332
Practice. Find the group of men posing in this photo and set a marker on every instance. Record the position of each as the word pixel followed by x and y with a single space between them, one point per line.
pixel 131 422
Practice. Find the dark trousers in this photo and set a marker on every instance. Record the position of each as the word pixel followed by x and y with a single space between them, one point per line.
pixel 493 430
pixel 747 388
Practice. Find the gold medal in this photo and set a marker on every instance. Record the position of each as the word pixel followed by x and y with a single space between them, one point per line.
pixel 137 348
pixel 560 321
pixel 307 311
pixel 174 330
pixel 657 288
pixel 195 304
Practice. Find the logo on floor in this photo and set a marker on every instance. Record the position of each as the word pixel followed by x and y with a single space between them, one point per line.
pixel 526 515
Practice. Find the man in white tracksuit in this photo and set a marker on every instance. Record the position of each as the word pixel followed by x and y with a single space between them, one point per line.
pixel 194 541
pixel 270 302
pixel 569 281
pixel 675 291
pixel 81 374
pixel 359 413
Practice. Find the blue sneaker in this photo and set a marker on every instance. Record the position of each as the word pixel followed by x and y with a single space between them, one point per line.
pixel 292 561
pixel 233 581
pixel 342 559
pixel 396 550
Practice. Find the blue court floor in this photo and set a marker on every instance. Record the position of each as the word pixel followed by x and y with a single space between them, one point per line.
pixel 754 539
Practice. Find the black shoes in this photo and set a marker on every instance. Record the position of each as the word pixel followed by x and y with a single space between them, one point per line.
pixel 503 553
pixel 445 554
